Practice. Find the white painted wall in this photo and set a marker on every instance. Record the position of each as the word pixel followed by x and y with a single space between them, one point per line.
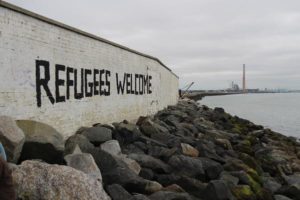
pixel 25 39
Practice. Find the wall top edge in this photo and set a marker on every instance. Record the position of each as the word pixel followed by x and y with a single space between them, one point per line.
pixel 78 31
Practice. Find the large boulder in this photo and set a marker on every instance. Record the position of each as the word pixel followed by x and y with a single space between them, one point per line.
pixel 126 132
pixel 281 197
pixel 131 164
pixel 292 189
pixel 116 171
pixel 188 150
pixel 80 140
pixel 97 134
pixel 243 192
pixel 12 138
pixel 230 180
pixel 271 184
pixel 167 139
pixel 208 149
pixel 166 195
pixel 85 163
pixel 212 168
pixel 190 185
pixel 188 166
pixel 151 163
pixel 41 142
pixel 117 192
pixel 112 147
pixel 148 127
pixel 218 190
pixel 161 152
pixel 174 188
pixel 36 180
pixel 140 197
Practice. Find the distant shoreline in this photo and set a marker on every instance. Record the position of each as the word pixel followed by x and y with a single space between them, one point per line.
pixel 197 96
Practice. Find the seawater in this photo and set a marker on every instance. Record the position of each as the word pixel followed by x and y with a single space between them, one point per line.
pixel 277 111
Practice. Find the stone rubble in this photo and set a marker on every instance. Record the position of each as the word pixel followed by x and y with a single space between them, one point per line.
pixel 184 152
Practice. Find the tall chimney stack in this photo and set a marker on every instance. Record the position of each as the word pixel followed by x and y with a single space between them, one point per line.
pixel 244 78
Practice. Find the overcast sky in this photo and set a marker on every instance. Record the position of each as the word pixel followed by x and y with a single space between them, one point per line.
pixel 205 41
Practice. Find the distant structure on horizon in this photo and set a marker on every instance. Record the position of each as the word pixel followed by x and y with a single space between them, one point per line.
pixel 244 78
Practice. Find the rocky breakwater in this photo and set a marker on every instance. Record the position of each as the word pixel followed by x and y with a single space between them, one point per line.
pixel 184 152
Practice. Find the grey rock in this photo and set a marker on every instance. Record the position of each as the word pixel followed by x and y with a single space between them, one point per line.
pixel 117 192
pixel 109 126
pixel 126 133
pixel 166 195
pixel 244 192
pixel 188 166
pixel 112 147
pixel 161 152
pixel 153 186
pixel 244 178
pixel 115 171
pixel 207 149
pixel 146 173
pixel 188 150
pixel 131 164
pixel 77 150
pixel 212 168
pixel 98 134
pixel 148 127
pixel 132 148
pixel 150 162
pixel 271 184
pixel 281 197
pixel 292 179
pixel 12 138
pixel 171 120
pixel 81 129
pixel 219 110
pixel 80 140
pixel 174 188
pixel 229 179
pixel 291 191
pixel 141 145
pixel 140 197
pixel 85 163
pixel 218 190
pixel 167 139
pixel 224 143
pixel 251 162
pixel 190 127
pixel 36 180
pixel 167 179
pixel 151 141
pixel 192 186
pixel 41 142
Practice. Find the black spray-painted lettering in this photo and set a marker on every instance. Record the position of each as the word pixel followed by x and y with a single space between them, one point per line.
pixel 42 81
pixel 137 84
pixel 59 82
pixel 85 83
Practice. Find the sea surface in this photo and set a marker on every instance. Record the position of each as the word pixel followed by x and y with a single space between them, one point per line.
pixel 279 112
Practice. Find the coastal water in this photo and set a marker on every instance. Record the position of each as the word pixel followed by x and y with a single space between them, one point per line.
pixel 279 112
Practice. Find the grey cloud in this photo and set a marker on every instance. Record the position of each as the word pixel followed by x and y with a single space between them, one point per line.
pixel 205 41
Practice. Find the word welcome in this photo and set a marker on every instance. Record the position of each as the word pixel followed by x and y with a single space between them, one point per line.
pixel 72 83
